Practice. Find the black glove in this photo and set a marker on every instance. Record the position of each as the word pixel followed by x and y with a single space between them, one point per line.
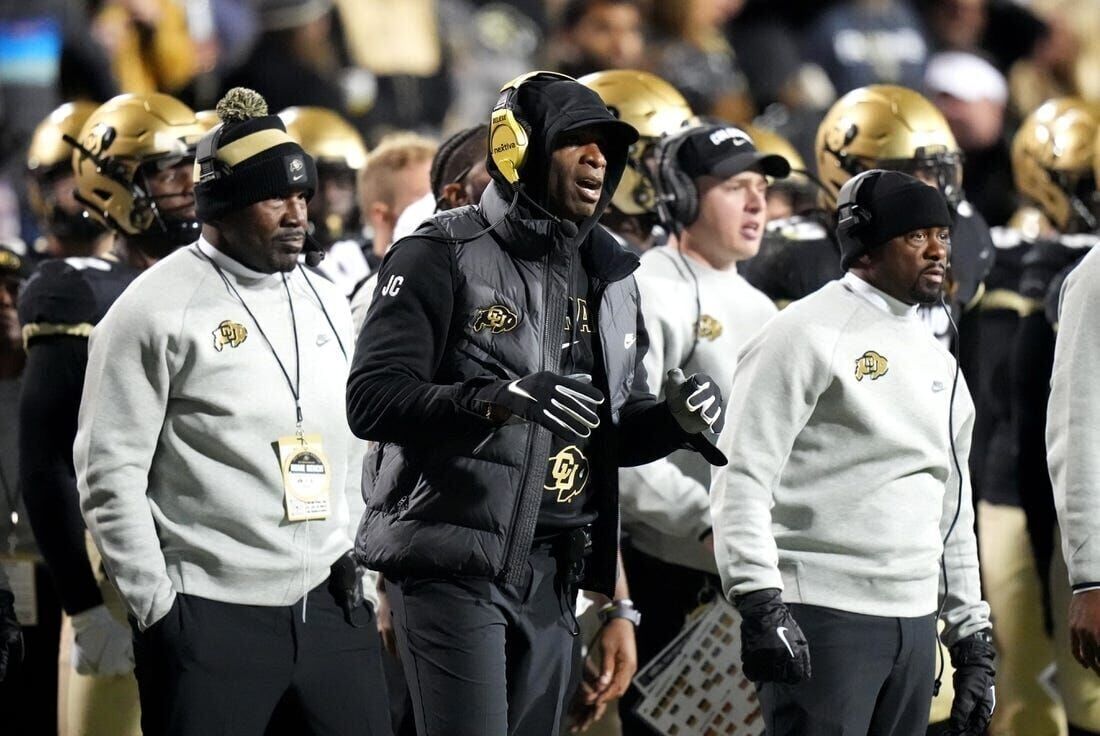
pixel 566 405
pixel 11 636
pixel 773 648
pixel 696 404
pixel 975 697
pixel 345 583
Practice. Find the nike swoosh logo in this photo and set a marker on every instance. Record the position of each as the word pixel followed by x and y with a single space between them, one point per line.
pixel 937 386
pixel 514 389
pixel 322 339
pixel 782 633
pixel 298 178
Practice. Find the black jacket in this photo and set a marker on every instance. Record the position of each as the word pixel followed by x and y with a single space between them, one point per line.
pixel 450 492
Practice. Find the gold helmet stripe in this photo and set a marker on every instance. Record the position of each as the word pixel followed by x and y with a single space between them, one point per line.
pixel 245 148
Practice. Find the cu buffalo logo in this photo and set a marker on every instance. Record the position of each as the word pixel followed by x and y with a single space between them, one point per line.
pixel 871 365
pixel 229 333
pixel 708 328
pixel 497 318
pixel 568 474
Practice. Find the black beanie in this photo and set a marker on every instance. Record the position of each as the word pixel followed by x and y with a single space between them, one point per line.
pixel 885 204
pixel 248 158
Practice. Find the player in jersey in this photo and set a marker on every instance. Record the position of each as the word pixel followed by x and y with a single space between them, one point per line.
pixel 133 163
pixel 64 228
pixel 340 153
pixel 884 127
pixel 1053 168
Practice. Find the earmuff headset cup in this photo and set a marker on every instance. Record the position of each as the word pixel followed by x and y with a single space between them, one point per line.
pixel 677 195
pixel 206 151
pixel 852 218
pixel 508 139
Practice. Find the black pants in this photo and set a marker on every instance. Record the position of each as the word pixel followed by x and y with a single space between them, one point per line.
pixel 483 658
pixel 211 669
pixel 665 594
pixel 28 697
pixel 872 676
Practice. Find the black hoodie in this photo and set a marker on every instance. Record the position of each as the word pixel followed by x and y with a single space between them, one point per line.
pixel 452 492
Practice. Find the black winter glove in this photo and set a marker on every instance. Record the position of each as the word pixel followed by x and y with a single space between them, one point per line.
pixel 11 636
pixel 975 697
pixel 345 583
pixel 695 402
pixel 566 405
pixel 773 647
pixel 696 405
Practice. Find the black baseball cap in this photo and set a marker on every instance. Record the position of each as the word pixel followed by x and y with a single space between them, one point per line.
pixel 723 151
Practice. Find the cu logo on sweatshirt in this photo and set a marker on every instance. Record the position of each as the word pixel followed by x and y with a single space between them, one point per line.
pixel 229 333
pixel 872 365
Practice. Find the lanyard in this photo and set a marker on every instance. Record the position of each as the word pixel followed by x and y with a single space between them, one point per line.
pixel 295 385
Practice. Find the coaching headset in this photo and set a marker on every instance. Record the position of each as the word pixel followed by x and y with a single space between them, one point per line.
pixel 508 138
pixel 851 217
pixel 677 195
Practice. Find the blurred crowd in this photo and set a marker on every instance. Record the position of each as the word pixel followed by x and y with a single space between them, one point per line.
pixel 388 98
pixel 433 66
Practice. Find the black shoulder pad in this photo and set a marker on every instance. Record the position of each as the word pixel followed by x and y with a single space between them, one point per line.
pixel 70 296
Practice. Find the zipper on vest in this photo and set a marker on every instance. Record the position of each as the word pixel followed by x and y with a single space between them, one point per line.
pixel 525 514
pixel 609 510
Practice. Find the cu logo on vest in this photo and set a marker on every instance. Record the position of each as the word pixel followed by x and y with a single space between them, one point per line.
pixel 496 318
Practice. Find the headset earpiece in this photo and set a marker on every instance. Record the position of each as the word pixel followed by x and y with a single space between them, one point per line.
pixel 508 139
pixel 206 150
pixel 677 196
pixel 852 218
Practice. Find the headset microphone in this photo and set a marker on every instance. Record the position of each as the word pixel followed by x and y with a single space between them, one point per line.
pixel 313 251
pixel 568 228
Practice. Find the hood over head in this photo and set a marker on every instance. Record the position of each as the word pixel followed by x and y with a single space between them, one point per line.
pixel 549 108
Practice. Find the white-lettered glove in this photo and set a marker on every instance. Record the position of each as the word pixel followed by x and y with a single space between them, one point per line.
pixel 695 401
pixel 101 644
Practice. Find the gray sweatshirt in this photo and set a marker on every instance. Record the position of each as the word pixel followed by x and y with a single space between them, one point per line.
pixel 179 480
pixel 1073 423
pixel 666 504
pixel 841 483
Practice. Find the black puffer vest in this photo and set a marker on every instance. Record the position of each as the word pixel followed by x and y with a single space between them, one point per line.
pixel 468 506
pixel 473 512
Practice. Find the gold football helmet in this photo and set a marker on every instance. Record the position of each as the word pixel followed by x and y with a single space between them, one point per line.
pixel 326 136
pixel 340 153
pixel 884 126
pixel 1053 154
pixel 655 109
pixel 769 141
pixel 124 134
pixel 49 159
pixel 48 147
